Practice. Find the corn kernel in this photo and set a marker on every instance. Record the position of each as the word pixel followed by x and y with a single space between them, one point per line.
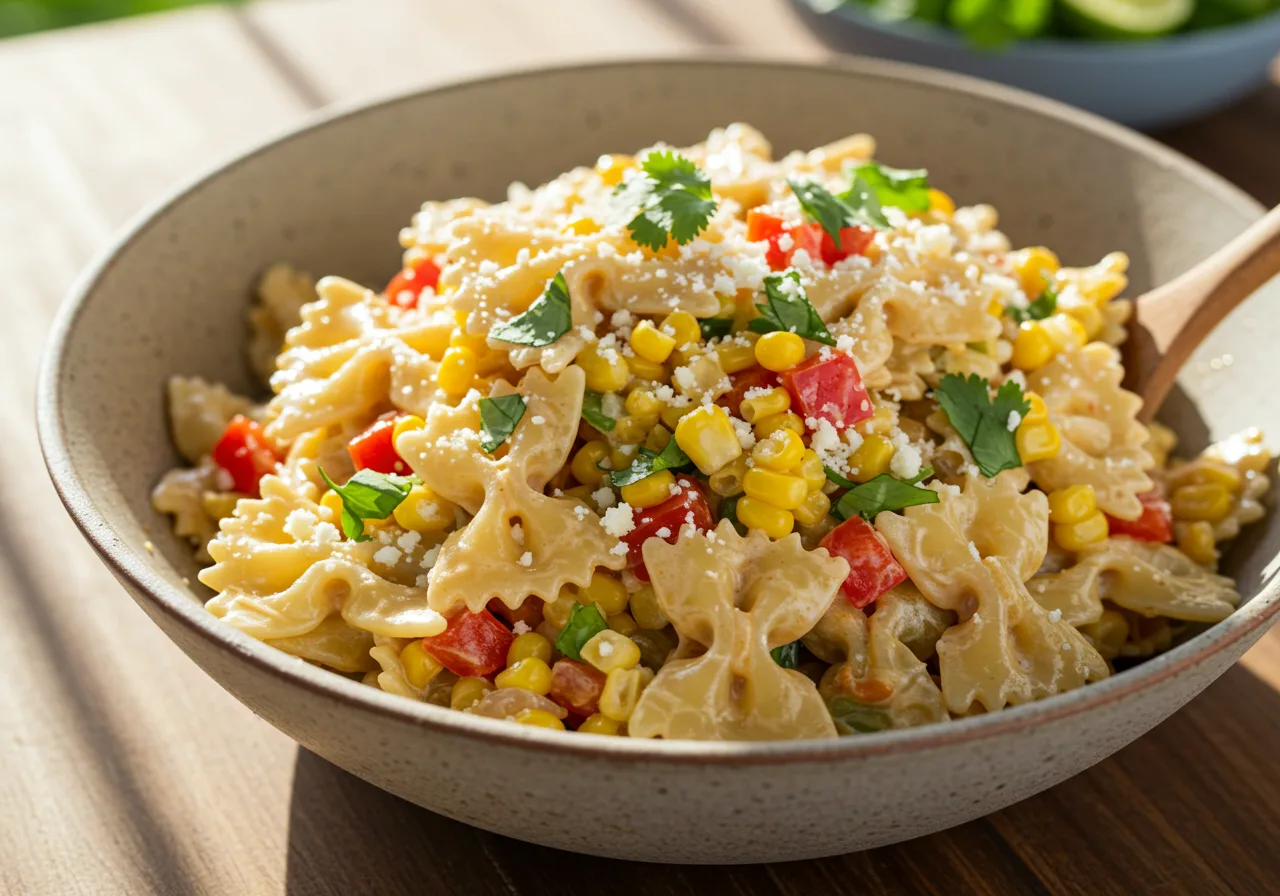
pixel 1072 504
pixel 419 666
pixel 332 502
pixel 539 718
pixel 684 328
pixel 527 645
pixel 1103 287
pixel 995 308
pixel 643 369
pixel 621 456
pixel 608 650
pixel 814 510
pixel 649 491
pixel 605 591
pixel 643 403
pixel 940 202
pixel 581 227
pixel 1209 503
pixel 871 458
pixel 220 505
pixel 883 420
pixel 606 371
pixel 583 494
pixel 671 416
pixel 1206 474
pixel 632 430
pixel 1077 536
pixel 772 521
pixel 457 371
pixel 779 350
pixel 612 167
pixel 708 438
pixel 727 481
pixel 772 487
pixel 1109 633
pixel 735 357
pixel 1064 331
pixel 1039 412
pixel 1037 441
pixel 1089 317
pixel 528 674
pixel 657 439
pixel 557 611
pixel 646 610
pixel 462 339
pixel 622 689
pixel 584 465
pixel 757 407
pixel 422 510
pixel 1197 542
pixel 1033 267
pixel 599 723
pixel 651 343
pixel 767 426
pixel 407 423
pixel 811 470
pixel 467 692
pixel 782 451
pixel 623 624
pixel 1032 347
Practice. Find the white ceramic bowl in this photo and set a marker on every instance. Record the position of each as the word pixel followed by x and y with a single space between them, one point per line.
pixel 330 197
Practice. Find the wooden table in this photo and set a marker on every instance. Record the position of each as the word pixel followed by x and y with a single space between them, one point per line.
pixel 123 769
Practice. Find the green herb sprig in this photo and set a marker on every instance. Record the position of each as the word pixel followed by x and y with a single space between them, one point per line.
pixel 369 495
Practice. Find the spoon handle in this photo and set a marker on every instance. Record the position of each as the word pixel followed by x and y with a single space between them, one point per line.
pixel 1170 321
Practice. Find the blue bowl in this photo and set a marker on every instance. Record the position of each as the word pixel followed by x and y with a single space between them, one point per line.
pixel 1146 84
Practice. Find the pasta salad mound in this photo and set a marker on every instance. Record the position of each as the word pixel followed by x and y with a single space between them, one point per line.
pixel 702 444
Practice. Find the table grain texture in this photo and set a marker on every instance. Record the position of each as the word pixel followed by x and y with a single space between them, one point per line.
pixel 124 770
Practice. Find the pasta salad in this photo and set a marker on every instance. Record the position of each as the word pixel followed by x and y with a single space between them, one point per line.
pixel 702 444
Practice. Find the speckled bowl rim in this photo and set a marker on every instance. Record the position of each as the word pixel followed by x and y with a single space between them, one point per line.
pixel 134 566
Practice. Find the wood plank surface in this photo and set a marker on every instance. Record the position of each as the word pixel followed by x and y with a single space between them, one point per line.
pixel 127 771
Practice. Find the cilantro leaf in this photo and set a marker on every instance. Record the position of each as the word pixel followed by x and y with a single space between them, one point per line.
pixel 787 656
pixel 906 188
pixel 1039 309
pixel 369 495
pixel 498 419
pixel 674 200
pixel 981 422
pixel 882 493
pixel 715 327
pixel 859 206
pixel 787 308
pixel 648 462
pixel 593 412
pixel 833 476
pixel 584 623
pixel 548 318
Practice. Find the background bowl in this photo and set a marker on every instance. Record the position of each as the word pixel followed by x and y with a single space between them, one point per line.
pixel 170 299
pixel 1145 85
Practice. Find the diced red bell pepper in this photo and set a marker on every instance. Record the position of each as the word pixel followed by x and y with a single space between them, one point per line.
pixel 829 388
pixel 853 241
pixel 576 686
pixel 743 382
pixel 1155 524
pixel 529 612
pixel 406 287
pixel 473 644
pixel 374 449
pixel 872 567
pixel 244 452
pixel 809 237
pixel 672 515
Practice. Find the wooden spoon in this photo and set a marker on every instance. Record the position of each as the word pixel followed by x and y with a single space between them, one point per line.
pixel 1171 320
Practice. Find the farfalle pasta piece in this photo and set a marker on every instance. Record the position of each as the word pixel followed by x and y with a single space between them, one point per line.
pixel 1238 464
pixel 736 598
pixel 1103 444
pixel 332 643
pixel 560 541
pixel 180 493
pixel 392 678
pixel 199 412
pixel 282 292
pixel 1149 579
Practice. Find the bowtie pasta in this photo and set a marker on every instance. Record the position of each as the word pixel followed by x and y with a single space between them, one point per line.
pixel 703 444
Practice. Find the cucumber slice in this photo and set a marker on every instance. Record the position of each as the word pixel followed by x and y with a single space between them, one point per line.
pixel 1126 19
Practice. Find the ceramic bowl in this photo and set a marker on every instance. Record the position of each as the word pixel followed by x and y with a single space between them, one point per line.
pixel 1144 84
pixel 330 197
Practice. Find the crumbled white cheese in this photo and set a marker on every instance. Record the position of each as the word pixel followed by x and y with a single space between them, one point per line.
pixel 300 524
pixel 408 541
pixel 520 628
pixel 526 559
pixel 580 512
pixel 618 521
pixel 746 435
pixel 1014 421
pixel 664 532
pixel 973 551
pixel 604 648
pixel 517 534
pixel 429 557
pixel 604 497
pixel 387 556
pixel 906 460
pixel 537 419
pixel 1055 615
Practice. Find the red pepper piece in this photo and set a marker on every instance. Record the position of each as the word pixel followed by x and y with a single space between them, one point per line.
pixel 406 287
pixel 244 452
pixel 743 382
pixel 576 686
pixel 473 644
pixel 1155 524
pixel 672 514
pixel 829 388
pixel 374 449
pixel 872 567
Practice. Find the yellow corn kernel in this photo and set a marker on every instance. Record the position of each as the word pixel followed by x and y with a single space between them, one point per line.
pixel 612 167
pixel 458 370
pixel 1089 317
pixel 407 423
pixel 683 327
pixel 757 407
pixel 599 723
pixel 419 666
pixel 1032 347
pixel 539 718
pixel 811 470
pixel 557 611
pixel 632 430
pixel 606 371
pixel 767 426
pixel 220 505
pixel 882 420
pixel 643 403
pixel 422 510
pixel 1065 332
pixel 460 338
pixel 779 350
pixel 871 458
pixel 779 489
pixel 608 650
pixel 1033 267
pixel 1039 412
pixel 1072 504
pixel 528 674
pixel 331 502
pixel 940 202
pixel 1037 441
pixel 708 438
pixel 1209 503
pixel 1197 542
pixel 657 438
pixel 583 494
pixel 671 416
pixel 1103 287
pixel 622 688
pixel 995 308
pixel 772 521
pixel 646 611
pixel 727 481
pixel 815 508
pixel 1207 474
pixel 643 369
pixel 1109 633
pixel 621 456
pixel 623 624
pixel 1077 536
pixel 584 465
pixel 651 343
pixel 736 357
pixel 649 491
pixel 529 644
pixel 782 451
pixel 581 227
pixel 467 691
pixel 605 591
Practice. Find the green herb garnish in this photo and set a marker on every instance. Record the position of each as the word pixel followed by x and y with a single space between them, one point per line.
pixel 852 717
pixel 905 188
pixel 787 308
pixel 369 495
pixel 548 318
pixel 593 412
pixel 498 419
pixel 882 493
pixel 859 206
pixel 584 623
pixel 674 198
pixel 648 462
pixel 715 327
pixel 982 422
pixel 1039 309
pixel 787 656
